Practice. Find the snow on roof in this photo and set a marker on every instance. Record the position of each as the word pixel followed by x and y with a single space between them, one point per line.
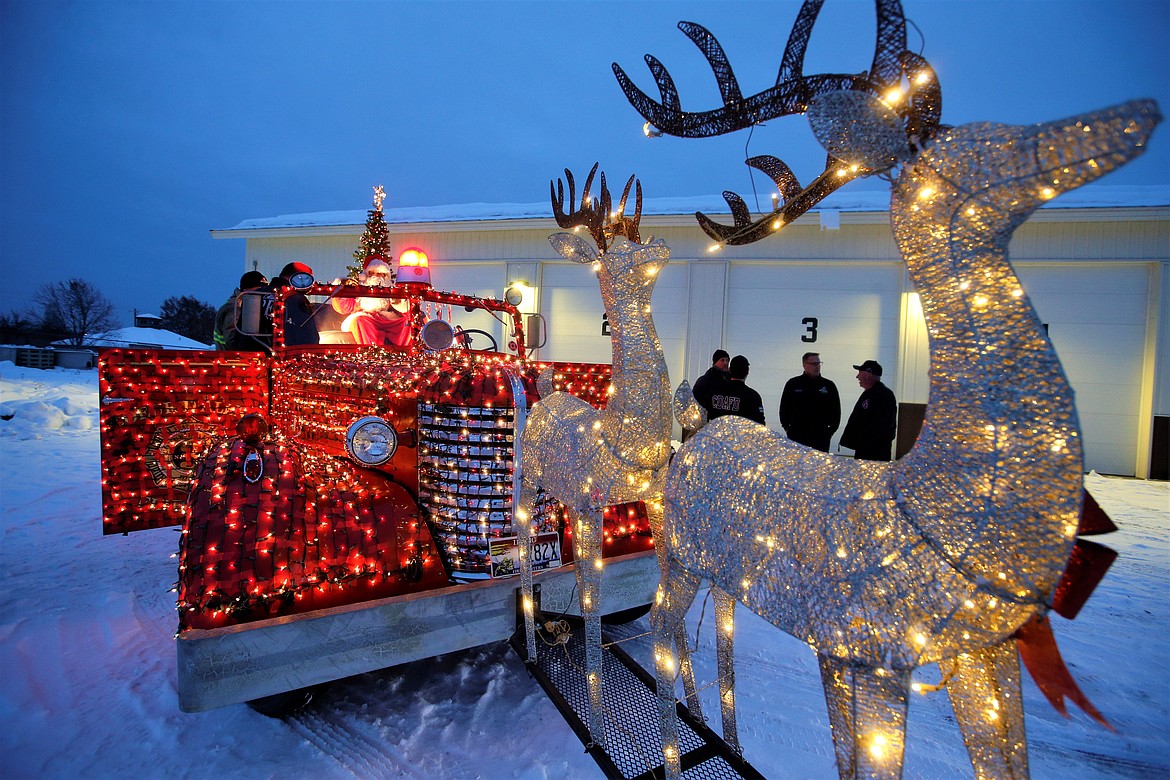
pixel 1091 196
pixel 150 338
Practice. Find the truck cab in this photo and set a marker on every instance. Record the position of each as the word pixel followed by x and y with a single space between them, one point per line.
pixel 318 484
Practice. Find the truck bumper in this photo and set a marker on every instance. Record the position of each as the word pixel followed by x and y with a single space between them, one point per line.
pixel 239 663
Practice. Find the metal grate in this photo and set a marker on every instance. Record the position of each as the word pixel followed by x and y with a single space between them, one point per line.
pixel 631 714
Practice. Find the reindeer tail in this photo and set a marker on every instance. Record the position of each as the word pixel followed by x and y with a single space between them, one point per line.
pixel 1087 565
pixel 1041 656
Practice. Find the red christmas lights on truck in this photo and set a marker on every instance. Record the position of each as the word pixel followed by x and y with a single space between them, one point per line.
pixel 326 485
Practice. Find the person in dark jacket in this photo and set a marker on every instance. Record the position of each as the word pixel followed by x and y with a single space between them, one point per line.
pixel 706 385
pixel 810 407
pixel 735 397
pixel 225 335
pixel 300 323
pixel 874 421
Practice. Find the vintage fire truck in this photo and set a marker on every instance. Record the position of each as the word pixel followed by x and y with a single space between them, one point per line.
pixel 346 507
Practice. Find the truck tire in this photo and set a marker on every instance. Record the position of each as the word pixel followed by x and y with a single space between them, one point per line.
pixel 626 615
pixel 281 705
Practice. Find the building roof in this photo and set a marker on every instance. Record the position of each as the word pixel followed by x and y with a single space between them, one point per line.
pixel 142 338
pixel 1093 196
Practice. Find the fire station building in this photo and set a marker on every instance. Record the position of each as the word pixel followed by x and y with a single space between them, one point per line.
pixel 1095 263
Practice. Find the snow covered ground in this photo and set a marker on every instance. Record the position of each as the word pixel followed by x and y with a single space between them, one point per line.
pixel 87 657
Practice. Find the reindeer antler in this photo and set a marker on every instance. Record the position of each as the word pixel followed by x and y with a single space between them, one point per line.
pixel 595 215
pixel 793 94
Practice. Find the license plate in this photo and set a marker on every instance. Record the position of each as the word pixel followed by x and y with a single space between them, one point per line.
pixel 505 554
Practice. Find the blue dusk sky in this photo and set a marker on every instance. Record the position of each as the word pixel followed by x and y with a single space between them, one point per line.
pixel 128 130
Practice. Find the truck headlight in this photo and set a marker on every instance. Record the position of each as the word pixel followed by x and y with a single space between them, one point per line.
pixel 371 441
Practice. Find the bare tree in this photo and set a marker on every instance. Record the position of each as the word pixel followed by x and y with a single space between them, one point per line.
pixel 19 327
pixel 18 320
pixel 76 308
pixel 190 317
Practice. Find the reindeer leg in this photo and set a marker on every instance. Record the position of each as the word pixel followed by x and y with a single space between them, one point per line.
pixel 654 513
pixel 686 670
pixel 984 689
pixel 725 652
pixel 522 520
pixel 867 711
pixel 676 592
pixel 587 541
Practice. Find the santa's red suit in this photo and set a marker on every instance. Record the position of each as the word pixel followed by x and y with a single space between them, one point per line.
pixel 374 320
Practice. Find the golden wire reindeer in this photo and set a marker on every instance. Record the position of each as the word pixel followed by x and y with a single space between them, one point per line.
pixel 943 555
pixel 588 458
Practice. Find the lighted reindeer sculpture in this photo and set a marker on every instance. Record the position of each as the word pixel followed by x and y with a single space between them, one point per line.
pixel 943 555
pixel 588 458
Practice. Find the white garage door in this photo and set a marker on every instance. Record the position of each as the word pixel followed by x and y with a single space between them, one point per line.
pixel 848 312
pixel 485 280
pixel 577 329
pixel 1096 317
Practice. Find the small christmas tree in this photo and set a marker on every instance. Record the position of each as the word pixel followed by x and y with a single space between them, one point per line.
pixel 376 239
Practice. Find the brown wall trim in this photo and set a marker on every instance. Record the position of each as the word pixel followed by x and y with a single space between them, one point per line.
pixel 910 418
pixel 1160 449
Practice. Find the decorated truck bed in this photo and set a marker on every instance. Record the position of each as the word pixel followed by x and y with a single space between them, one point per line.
pixel 345 507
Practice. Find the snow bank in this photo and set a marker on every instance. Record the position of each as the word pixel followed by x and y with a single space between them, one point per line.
pixel 87 658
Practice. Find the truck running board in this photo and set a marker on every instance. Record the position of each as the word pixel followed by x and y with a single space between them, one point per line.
pixel 631 711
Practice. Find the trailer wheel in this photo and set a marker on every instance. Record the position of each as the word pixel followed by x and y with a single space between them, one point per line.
pixel 626 615
pixel 282 705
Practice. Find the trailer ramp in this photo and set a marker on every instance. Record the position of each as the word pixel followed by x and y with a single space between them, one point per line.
pixel 631 712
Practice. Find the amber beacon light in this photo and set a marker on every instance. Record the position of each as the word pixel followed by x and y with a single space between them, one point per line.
pixel 414 267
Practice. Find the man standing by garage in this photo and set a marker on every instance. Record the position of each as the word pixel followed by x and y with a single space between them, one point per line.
pixel 735 397
pixel 810 407
pixel 706 385
pixel 874 421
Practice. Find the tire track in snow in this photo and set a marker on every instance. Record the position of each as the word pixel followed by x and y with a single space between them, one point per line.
pixel 341 737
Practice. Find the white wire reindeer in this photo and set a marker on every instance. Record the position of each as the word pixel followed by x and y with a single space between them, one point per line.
pixel 941 556
pixel 588 458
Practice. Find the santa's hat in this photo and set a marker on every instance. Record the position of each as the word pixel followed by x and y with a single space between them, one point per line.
pixel 377 264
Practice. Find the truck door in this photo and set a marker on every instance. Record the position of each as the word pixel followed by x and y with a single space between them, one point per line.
pixel 161 410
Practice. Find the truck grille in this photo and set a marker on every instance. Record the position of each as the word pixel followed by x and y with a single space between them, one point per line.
pixel 465 482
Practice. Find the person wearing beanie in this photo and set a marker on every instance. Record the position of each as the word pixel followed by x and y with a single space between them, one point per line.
pixel 810 407
pixel 735 397
pixel 874 421
pixel 225 335
pixel 706 385
pixel 382 321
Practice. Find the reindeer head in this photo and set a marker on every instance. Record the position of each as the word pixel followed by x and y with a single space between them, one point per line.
pixel 619 258
pixel 793 94
pixel 595 215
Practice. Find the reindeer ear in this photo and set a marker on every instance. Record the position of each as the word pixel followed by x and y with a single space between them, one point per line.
pixel 573 247
pixel 858 129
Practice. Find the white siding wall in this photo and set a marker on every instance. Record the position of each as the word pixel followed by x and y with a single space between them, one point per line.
pixel 771 309
pixel 1096 317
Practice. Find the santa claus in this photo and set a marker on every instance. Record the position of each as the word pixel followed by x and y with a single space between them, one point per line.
pixel 382 321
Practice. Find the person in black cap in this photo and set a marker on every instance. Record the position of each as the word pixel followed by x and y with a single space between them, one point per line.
pixel 874 420
pixel 735 397
pixel 225 335
pixel 706 385
pixel 810 407
pixel 300 323
pixel 300 316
